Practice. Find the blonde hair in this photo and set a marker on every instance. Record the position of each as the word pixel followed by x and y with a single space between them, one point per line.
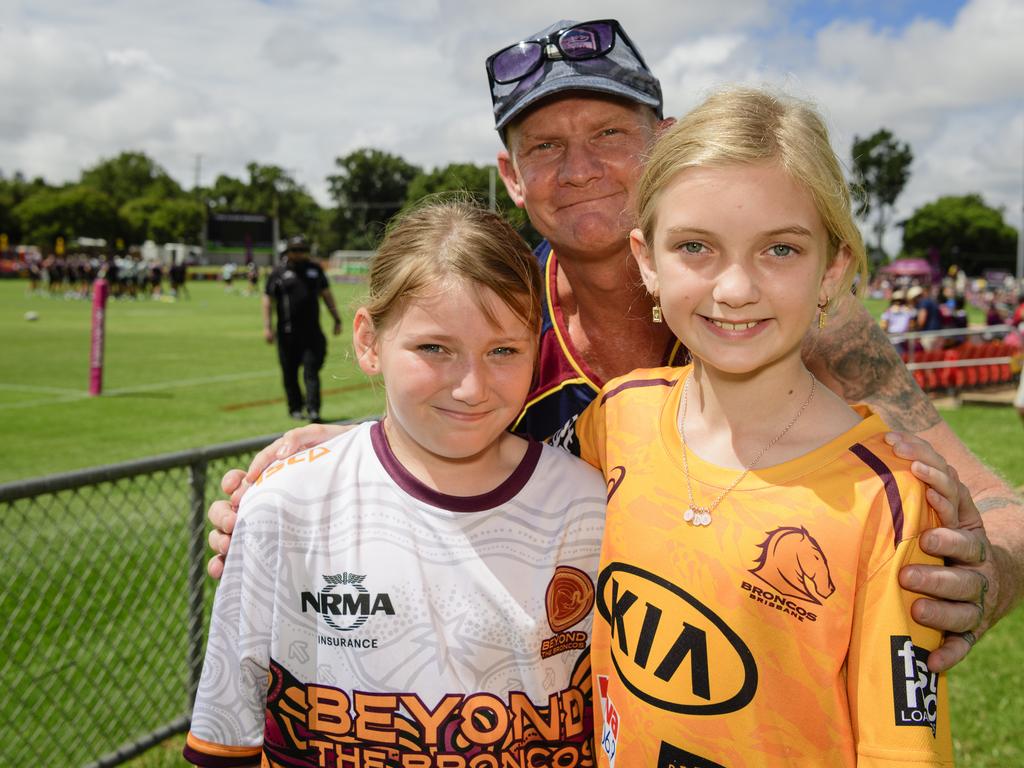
pixel 739 126
pixel 446 238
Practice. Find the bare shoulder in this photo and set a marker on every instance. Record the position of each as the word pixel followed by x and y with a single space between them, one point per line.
pixel 854 358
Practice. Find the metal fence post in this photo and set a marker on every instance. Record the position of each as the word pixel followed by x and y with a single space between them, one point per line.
pixel 197 481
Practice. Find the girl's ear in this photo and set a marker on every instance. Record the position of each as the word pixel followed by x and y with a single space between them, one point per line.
pixel 645 260
pixel 833 277
pixel 364 340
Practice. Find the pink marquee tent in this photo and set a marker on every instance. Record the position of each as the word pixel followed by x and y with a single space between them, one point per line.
pixel 909 268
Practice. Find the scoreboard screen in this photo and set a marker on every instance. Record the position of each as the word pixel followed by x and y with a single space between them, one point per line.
pixel 240 230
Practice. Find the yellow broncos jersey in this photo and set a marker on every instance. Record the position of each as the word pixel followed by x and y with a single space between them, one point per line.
pixel 779 634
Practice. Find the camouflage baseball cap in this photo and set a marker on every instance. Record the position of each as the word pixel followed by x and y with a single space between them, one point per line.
pixel 569 56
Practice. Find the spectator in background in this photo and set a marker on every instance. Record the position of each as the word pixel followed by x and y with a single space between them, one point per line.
pixel 898 318
pixel 928 317
pixel 958 319
pixel 993 316
pixel 1018 313
pixel 294 289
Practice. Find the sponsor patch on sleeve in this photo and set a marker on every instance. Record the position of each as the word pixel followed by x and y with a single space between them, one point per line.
pixel 914 687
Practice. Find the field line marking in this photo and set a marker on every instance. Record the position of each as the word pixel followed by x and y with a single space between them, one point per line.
pixel 47 390
pixel 175 384
pixel 272 400
pixel 70 395
pixel 49 401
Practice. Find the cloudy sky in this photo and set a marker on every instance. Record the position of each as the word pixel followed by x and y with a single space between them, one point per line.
pixel 298 83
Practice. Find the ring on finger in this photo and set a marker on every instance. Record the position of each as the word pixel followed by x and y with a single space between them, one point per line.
pixel 984 553
pixel 970 637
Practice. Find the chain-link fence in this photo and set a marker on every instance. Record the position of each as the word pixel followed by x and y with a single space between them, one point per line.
pixel 104 605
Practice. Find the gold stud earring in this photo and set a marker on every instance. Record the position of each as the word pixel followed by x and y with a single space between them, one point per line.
pixel 823 313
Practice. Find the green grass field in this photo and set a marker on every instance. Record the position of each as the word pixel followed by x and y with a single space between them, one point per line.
pixel 195 372
pixel 177 375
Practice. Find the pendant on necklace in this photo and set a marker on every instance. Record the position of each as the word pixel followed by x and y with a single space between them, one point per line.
pixel 697 516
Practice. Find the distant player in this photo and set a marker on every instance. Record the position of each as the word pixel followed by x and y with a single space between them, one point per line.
pixel 293 291
pixel 252 274
pixel 419 590
pixel 751 612
pixel 227 275
pixel 179 277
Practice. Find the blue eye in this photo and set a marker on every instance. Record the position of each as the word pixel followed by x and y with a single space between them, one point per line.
pixel 429 348
pixel 781 250
pixel 693 247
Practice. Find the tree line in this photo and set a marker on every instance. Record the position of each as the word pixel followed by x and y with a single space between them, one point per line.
pixel 130 198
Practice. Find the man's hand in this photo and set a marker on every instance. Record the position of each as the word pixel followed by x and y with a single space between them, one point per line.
pixel 961 596
pixel 223 513
pixel 337 326
pixel 268 334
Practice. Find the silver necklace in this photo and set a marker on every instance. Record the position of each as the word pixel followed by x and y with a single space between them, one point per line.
pixel 701 516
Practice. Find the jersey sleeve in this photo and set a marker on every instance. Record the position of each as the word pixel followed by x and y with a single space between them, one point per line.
pixel 900 709
pixel 322 284
pixel 583 435
pixel 228 717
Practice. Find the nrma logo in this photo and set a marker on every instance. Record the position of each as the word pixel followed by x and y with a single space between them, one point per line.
pixel 345 604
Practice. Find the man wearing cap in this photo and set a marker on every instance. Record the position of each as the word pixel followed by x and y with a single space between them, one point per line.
pixel 576 106
pixel 293 290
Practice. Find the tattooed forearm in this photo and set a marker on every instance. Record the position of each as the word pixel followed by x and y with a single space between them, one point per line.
pixel 989 503
pixel 855 359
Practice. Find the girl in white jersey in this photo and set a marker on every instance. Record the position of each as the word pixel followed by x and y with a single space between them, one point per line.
pixel 417 591
pixel 749 607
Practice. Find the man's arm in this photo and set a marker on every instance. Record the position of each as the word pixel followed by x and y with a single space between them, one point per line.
pixel 855 359
pixel 235 482
pixel 266 306
pixel 328 298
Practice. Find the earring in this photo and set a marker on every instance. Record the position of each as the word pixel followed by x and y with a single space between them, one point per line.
pixel 822 313
pixel 656 312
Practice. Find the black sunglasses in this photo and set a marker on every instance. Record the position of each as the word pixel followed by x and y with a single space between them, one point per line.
pixel 587 40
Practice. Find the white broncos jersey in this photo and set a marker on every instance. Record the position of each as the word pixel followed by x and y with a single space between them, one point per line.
pixel 366 620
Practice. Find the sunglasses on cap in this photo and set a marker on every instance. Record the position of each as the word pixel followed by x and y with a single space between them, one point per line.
pixel 587 40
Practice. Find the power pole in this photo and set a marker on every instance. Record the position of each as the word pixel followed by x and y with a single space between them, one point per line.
pixel 195 188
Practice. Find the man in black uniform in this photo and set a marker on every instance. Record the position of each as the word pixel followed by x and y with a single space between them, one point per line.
pixel 293 291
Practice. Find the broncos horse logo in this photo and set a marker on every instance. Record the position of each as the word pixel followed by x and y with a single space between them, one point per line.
pixel 792 563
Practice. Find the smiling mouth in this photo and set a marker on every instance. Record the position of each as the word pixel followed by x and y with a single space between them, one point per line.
pixel 727 326
pixel 464 415
pixel 597 199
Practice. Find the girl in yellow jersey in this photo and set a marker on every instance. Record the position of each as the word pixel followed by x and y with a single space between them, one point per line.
pixel 749 609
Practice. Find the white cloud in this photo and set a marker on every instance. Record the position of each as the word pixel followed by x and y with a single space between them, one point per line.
pixel 301 82
pixel 952 92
